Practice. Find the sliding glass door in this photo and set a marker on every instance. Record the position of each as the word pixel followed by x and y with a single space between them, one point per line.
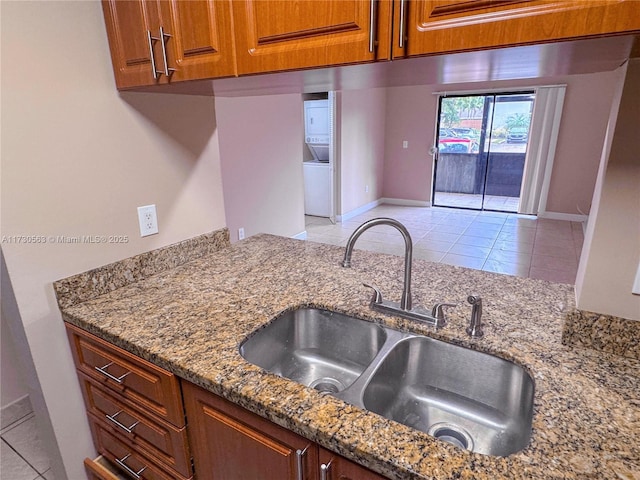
pixel 481 148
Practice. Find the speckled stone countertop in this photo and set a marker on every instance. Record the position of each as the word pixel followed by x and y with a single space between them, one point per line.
pixel 191 319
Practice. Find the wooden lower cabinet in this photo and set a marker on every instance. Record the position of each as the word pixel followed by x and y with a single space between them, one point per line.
pixel 339 468
pixel 231 443
pixel 135 412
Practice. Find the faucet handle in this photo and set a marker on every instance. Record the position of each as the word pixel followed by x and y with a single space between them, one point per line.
pixel 438 313
pixel 377 295
pixel 475 325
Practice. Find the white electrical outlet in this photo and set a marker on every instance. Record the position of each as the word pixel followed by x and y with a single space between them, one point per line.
pixel 241 234
pixel 148 219
pixel 405 144
pixel 636 283
pixel 366 189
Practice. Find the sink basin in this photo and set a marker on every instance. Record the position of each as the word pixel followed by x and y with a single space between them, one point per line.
pixel 471 399
pixel 320 349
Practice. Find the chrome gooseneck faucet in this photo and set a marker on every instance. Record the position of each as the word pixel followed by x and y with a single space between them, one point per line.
pixel 405 300
pixel 404 308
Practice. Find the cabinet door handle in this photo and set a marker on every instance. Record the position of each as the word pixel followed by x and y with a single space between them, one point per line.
pixel 133 473
pixel 167 71
pixel 401 29
pixel 372 24
pixel 324 470
pixel 299 463
pixel 128 429
pixel 103 370
pixel 153 59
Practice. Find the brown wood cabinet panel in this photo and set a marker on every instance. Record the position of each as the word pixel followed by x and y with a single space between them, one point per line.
pixel 119 452
pixel 339 468
pixel 150 387
pixel 129 24
pixel 230 443
pixel 439 26
pixel 201 43
pixel 276 35
pixel 156 436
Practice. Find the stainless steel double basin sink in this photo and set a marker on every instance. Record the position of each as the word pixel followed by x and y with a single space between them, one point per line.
pixel 471 399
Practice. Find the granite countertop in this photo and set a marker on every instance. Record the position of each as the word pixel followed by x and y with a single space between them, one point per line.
pixel 190 319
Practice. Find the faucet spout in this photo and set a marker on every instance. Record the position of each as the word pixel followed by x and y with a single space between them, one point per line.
pixel 405 300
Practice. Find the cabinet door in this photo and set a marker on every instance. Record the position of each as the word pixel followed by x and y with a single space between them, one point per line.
pixel 339 468
pixel 230 443
pixel 130 25
pixel 275 35
pixel 198 39
pixel 437 26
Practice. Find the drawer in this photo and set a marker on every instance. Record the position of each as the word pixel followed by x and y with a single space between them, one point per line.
pixel 155 390
pixel 126 457
pixel 158 437
pixel 100 469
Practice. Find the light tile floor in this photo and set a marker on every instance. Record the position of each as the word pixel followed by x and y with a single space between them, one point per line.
pixel 22 455
pixel 504 243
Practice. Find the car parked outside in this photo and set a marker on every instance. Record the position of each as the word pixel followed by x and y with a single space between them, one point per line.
pixel 517 135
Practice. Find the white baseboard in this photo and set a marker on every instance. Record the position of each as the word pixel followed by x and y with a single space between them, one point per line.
pixel 405 203
pixel 357 211
pixel 300 236
pixel 569 217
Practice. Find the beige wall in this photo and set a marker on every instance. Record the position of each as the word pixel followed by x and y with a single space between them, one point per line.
pixel 261 156
pixel 411 115
pixel 77 159
pixel 612 244
pixel 361 125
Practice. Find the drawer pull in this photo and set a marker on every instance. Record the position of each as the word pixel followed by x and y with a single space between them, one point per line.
pixel 299 463
pixel 372 25
pixel 402 25
pixel 103 370
pixel 128 429
pixel 136 475
pixel 324 470
pixel 150 40
pixel 163 38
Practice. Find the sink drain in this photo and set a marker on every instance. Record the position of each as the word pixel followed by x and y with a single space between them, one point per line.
pixel 327 385
pixel 452 434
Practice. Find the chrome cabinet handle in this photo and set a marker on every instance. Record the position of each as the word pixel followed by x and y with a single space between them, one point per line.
pixel 167 71
pixel 299 463
pixel 153 60
pixel 128 429
pixel 324 470
pixel 136 475
pixel 103 370
pixel 372 18
pixel 401 29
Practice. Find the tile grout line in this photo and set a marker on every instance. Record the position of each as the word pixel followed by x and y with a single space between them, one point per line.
pixel 37 473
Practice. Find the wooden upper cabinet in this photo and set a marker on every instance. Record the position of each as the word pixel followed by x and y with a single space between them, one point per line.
pixel 163 41
pixel 200 44
pixel 129 25
pixel 276 35
pixel 439 26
